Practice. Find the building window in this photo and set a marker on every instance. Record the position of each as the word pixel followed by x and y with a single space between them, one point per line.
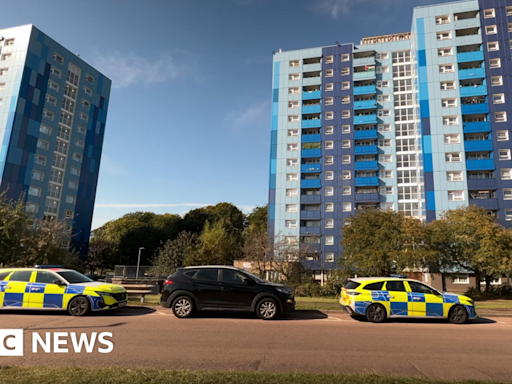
pixel 329 100
pixel 329 175
pixel 329 240
pixel 383 98
pixel 61 147
pixel 450 120
pixel 291 177
pixel 345 114
pixel 507 194
pixel 4 71
pixel 51 100
pixel 87 91
pixel 56 176
pixel 386 190
pixel 329 223
pixel 48 115
pixel 382 56
pixel 346 159
pixel 444 35
pixel 329 207
pixel 441 52
pixel 329 130
pixel 329 145
pixel 500 117
pixel 346 175
pixel 293 104
pixel 489 13
pixel 292 147
pixel 89 78
pixel 345 71
pixel 509 11
pixel 32 207
pixel 82 130
pixel 345 85
pixel 329 73
pixel 59 161
pixel 384 113
pixel 504 154
pixel 43 144
pixel 37 175
pixel 446 68
pixel 77 157
pixel 385 158
pixel 292 162
pixel 55 71
pixel 79 143
pixel 385 143
pixel 293 91
pixel 496 80
pixel 498 98
pixel 449 103
pixel 73 185
pixel 452 157
pixel 502 135
pixel 290 224
pixel 455 195
pixel 70 199
pixel 84 116
pixel 347 191
pixel 382 69
pixel 495 63
pixel 345 129
pixel 345 100
pixel 329 87
pixel 58 58
pixel 291 207
pixel 329 59
pixel 38 159
pixel 294 77
pixel 386 174
pixel 493 46
pixel 329 191
pixel 329 115
pixel 460 278
pixel 289 192
pixel 294 63
pixel 454 176
pixel 506 174
pixel 329 160
pixel 34 191
pixel 491 30
pixel 445 19
pixel 293 132
pixel 45 129
pixel 384 127
pixel 345 144
pixel 345 57
pixel 447 85
pixel 347 207
pixel 452 138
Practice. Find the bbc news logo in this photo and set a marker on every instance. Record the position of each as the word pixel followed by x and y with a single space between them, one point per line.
pixel 11 342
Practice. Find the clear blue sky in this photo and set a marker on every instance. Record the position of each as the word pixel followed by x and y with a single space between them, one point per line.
pixel 189 116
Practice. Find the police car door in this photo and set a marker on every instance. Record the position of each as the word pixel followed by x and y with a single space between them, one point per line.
pixel 425 301
pixel 16 289
pixel 44 293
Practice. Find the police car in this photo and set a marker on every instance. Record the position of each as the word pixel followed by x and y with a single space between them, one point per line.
pixel 57 289
pixel 378 298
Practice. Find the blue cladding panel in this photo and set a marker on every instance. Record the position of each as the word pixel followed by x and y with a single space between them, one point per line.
pixel 431 200
pixel 422 58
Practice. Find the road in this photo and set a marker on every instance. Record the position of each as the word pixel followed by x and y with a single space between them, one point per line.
pixel 309 341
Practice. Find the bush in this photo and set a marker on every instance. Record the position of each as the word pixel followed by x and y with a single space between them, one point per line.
pixel 494 292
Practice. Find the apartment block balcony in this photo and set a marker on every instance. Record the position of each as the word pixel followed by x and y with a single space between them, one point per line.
pixel 311 108
pixel 487 204
pixel 480 165
pixel 366 165
pixel 367 197
pixel 311 67
pixel 310 230
pixel 478 145
pixel 311 95
pixel 367 134
pixel 364 61
pixel 308 199
pixel 464 57
pixel 467 23
pixel 310 214
pixel 365 150
pixel 312 123
pixel 472 90
pixel 314 152
pixel 314 80
pixel 477 126
pixel 366 181
pixel 365 104
pixel 365 90
pixel 468 40
pixel 366 75
pixel 470 109
pixel 314 138
pixel 315 183
pixel 365 119
pixel 477 184
pixel 471 73
pixel 311 168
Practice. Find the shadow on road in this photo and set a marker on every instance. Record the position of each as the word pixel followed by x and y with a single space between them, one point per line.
pixel 479 320
pixel 295 315
pixel 123 312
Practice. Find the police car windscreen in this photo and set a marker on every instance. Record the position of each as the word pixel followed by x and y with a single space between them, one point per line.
pixel 74 277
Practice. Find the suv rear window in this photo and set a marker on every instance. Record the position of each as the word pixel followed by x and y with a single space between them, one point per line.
pixel 3 275
pixel 374 286
pixel 21 276
pixel 351 284
pixel 208 274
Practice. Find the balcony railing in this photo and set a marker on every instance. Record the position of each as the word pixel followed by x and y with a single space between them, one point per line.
pixel 477 126
pixel 310 199
pixel 311 108
pixel 468 40
pixel 469 109
pixel 312 67
pixel 315 152
pixel 364 75
pixel 464 57
pixel 316 80
pixel 313 123
pixel 366 165
pixel 478 145
pixel 482 184
pixel 365 90
pixel 315 138
pixel 310 214
pixel 367 197
pixel 310 230
pixel 480 165
pixel 364 61
pixel 365 104
pixel 488 204
pixel 471 73
pixel 315 183
pixel 467 23
pixel 365 119
pixel 365 150
pixel 311 95
pixel 311 168
pixel 473 90
pixel 366 181
pixel 367 134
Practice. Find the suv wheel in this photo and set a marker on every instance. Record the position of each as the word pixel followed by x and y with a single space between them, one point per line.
pixel 376 313
pixel 182 307
pixel 267 309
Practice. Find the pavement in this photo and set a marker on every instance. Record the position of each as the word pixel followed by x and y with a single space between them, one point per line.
pixel 306 341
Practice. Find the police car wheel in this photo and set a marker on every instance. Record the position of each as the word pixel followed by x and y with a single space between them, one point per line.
pixel 458 315
pixel 183 307
pixel 376 313
pixel 79 306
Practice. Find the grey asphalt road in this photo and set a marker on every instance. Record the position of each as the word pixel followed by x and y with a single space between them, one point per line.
pixel 309 341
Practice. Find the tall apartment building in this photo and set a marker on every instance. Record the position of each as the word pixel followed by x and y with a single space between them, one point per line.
pixel 417 122
pixel 53 110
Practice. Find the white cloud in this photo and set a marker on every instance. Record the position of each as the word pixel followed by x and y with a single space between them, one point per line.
pixel 124 70
pixel 253 115
pixel 151 205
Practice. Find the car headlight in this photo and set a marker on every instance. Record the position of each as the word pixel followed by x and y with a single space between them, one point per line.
pixel 286 291
pixel 104 294
pixel 471 302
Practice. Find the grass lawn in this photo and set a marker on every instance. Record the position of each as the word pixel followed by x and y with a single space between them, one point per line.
pixel 46 375
pixel 494 304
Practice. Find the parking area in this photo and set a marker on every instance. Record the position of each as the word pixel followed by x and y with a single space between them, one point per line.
pixel 306 341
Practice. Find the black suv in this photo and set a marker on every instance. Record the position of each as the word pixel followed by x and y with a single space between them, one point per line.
pixel 224 288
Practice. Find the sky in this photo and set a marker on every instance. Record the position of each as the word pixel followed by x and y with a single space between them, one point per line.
pixel 189 115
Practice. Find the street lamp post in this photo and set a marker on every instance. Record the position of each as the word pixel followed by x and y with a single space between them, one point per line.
pixel 138 262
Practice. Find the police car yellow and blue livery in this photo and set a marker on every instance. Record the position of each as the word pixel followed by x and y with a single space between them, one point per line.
pixel 57 289
pixel 377 298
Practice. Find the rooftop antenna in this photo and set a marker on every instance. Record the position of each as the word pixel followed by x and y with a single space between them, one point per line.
pixel 78 54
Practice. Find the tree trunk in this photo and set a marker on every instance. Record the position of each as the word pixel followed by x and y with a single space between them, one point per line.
pixel 487 283
pixel 477 278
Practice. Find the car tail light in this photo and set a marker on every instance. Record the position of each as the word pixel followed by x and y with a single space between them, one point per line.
pixel 168 282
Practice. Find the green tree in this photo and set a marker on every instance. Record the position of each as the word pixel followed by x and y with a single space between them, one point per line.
pixel 174 252
pixel 103 254
pixel 378 242
pixel 257 219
